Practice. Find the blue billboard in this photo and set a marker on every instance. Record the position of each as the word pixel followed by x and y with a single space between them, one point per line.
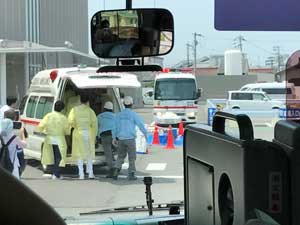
pixel 257 15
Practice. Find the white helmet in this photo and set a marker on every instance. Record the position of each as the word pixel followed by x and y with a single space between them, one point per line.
pixel 128 100
pixel 108 105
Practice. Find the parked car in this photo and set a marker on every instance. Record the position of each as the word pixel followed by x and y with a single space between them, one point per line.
pixel 251 100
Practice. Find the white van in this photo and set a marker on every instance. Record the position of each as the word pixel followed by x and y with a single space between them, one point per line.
pixel 48 86
pixel 275 90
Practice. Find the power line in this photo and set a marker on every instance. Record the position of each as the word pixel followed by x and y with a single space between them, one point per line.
pixel 259 47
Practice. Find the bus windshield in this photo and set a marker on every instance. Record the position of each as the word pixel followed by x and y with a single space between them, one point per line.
pixel 175 89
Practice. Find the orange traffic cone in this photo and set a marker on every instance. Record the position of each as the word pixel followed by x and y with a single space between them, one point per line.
pixel 155 136
pixel 170 139
pixel 180 128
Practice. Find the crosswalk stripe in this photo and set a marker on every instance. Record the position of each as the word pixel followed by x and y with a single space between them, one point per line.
pixel 156 166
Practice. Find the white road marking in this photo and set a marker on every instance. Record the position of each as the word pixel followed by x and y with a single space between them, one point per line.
pixel 125 166
pixel 47 175
pixel 120 176
pixel 157 177
pixel 156 166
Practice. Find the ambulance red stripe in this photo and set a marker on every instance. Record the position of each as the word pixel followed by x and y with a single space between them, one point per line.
pixel 30 122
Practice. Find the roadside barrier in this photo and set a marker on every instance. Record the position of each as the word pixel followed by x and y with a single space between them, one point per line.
pixel 141 143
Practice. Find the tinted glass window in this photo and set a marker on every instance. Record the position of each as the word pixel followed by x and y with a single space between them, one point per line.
pixel 31 106
pixel 241 96
pixel 44 106
pixel 259 97
pixel 278 91
pixel 22 104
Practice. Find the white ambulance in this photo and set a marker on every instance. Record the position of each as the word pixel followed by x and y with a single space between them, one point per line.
pixel 48 86
pixel 175 98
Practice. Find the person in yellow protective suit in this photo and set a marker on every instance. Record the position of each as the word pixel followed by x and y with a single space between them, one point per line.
pixel 56 126
pixel 84 121
pixel 71 102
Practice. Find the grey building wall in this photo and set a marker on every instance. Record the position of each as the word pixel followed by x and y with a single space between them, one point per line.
pixel 64 20
pixel 12 19
pixel 15 75
pixel 57 21
pixel 218 86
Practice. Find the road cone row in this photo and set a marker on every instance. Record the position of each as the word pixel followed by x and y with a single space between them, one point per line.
pixel 170 137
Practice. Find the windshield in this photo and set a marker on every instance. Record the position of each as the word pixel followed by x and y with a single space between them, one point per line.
pixel 175 89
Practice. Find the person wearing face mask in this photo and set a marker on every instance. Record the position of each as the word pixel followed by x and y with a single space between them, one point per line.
pixel 13 142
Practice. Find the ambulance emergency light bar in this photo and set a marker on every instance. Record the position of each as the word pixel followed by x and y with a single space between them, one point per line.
pixel 181 70
pixel 257 15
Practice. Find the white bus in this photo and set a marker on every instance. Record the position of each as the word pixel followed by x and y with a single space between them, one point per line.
pixel 175 98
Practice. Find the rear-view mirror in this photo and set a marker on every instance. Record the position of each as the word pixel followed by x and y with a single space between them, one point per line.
pixel 132 33
pixel 199 92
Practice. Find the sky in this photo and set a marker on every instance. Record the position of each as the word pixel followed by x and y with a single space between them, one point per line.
pixel 198 16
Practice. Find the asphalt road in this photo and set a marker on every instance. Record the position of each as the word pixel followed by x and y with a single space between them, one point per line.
pixel 71 196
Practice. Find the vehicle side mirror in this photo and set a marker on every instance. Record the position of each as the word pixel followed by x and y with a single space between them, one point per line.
pixel 132 33
pixel 265 99
pixel 199 92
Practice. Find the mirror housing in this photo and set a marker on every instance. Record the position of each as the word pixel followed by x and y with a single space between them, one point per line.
pixel 199 92
pixel 132 33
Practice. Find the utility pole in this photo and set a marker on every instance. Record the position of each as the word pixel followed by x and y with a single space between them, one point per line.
pixel 128 4
pixel 195 50
pixel 276 50
pixel 238 42
pixel 188 46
